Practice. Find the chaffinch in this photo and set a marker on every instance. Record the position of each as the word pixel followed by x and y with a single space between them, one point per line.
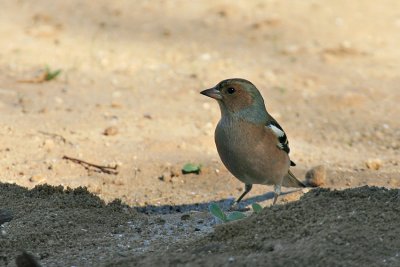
pixel 251 143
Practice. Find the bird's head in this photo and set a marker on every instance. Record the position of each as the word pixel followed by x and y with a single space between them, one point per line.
pixel 238 97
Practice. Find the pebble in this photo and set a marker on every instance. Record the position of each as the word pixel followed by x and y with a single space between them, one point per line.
pixel 36 179
pixel 374 164
pixel 316 176
pixel 110 131
pixel 116 105
pixel 147 116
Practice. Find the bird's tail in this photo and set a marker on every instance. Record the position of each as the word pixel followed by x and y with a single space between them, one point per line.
pixel 291 181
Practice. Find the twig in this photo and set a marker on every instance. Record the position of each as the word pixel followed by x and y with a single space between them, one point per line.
pixel 99 168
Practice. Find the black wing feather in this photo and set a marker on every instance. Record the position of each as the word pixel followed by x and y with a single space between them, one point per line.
pixel 284 143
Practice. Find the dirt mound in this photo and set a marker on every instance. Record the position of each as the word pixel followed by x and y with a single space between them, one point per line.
pixel 354 227
pixel 58 225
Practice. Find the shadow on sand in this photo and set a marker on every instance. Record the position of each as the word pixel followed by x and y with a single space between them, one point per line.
pixel 224 204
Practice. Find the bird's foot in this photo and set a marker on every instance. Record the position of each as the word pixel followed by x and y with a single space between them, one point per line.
pixel 236 207
pixel 277 192
pixel 275 199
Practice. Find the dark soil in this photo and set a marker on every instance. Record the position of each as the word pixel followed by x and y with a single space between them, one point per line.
pixel 76 228
pixel 59 225
pixel 354 227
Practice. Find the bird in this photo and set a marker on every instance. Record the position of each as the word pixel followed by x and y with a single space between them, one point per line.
pixel 250 142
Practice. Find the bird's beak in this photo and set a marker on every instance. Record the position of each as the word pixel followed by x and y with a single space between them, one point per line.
pixel 213 93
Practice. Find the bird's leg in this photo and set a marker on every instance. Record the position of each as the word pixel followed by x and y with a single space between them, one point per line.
pixel 247 189
pixel 277 191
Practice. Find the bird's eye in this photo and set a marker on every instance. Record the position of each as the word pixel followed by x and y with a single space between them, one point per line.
pixel 231 90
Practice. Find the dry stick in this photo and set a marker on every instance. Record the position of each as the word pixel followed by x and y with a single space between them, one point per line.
pixel 87 165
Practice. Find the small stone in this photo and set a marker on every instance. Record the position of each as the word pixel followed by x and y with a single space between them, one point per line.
pixel 174 172
pixel 147 116
pixel 36 179
pixel 374 164
pixel 110 131
pixel 116 105
pixel 316 176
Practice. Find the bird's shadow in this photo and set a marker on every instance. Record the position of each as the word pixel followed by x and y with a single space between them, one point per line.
pixel 224 204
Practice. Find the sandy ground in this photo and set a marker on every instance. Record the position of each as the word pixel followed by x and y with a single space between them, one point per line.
pixel 328 71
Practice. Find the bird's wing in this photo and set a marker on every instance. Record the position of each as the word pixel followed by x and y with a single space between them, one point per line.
pixel 282 141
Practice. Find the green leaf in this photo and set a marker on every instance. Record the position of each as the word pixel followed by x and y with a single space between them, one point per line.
pixel 191 168
pixel 50 75
pixel 217 212
pixel 256 208
pixel 236 215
